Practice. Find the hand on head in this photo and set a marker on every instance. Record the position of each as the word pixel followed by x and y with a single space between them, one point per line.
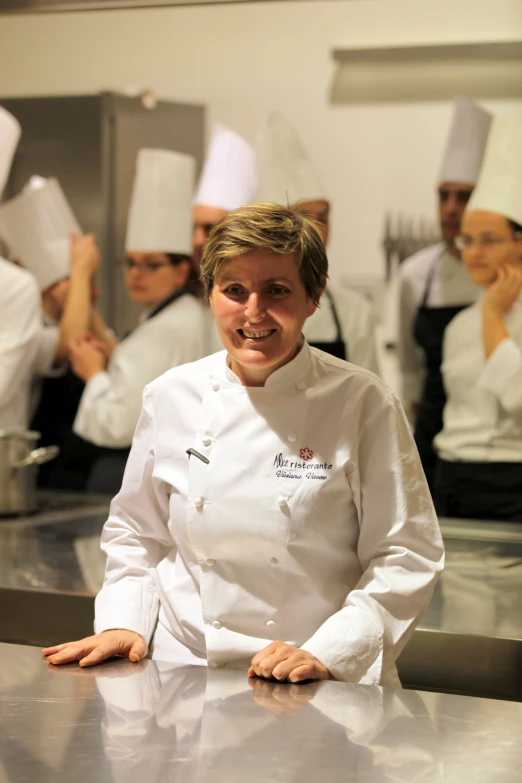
pixel 502 294
pixel 85 256
pixel 97 648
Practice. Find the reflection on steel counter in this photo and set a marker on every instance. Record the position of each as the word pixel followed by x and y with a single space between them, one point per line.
pixel 159 722
pixel 469 640
pixel 58 549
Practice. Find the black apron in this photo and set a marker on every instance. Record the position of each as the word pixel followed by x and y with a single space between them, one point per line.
pixel 337 347
pixel 479 490
pixel 428 331
pixel 83 466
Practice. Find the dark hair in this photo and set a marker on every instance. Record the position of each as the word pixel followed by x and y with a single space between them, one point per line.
pixel 177 258
pixel 516 227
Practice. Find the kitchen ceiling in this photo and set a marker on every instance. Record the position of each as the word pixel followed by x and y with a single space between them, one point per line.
pixel 44 6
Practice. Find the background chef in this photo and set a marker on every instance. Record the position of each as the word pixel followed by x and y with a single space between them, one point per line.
pixel 20 314
pixel 215 554
pixel 343 324
pixel 171 330
pixel 227 181
pixel 479 472
pixel 43 234
pixel 434 285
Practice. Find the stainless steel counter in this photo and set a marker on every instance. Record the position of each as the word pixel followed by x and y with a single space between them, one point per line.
pixel 469 640
pixel 152 722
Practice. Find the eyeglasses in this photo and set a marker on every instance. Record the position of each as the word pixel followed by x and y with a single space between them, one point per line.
pixel 148 267
pixel 465 243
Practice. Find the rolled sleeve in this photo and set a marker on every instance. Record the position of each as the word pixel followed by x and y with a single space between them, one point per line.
pixel 47 346
pixel 502 375
pixel 350 645
pixel 85 423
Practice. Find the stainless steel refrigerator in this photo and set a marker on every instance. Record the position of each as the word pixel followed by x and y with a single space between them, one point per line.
pixel 89 143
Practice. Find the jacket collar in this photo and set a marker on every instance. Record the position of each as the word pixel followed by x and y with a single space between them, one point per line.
pixel 291 374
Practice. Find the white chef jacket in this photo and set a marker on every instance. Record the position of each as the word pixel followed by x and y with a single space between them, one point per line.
pixel 47 345
pixel 450 286
pixel 110 405
pixel 357 327
pixel 483 412
pixel 311 523
pixel 20 326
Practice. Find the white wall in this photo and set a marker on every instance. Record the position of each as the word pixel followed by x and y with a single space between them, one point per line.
pixel 244 60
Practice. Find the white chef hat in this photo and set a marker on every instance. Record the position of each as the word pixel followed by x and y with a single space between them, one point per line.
pixel 37 227
pixel 466 142
pixel 499 186
pixel 10 131
pixel 160 218
pixel 286 173
pixel 228 179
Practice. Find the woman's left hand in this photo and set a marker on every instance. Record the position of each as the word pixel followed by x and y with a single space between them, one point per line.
pixel 502 294
pixel 280 661
pixel 87 357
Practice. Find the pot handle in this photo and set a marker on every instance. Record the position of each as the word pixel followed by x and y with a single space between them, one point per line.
pixel 37 457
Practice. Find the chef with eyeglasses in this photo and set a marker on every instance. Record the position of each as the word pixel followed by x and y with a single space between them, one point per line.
pixel 479 470
pixel 434 285
pixel 171 330
pixel 343 324
pixel 274 516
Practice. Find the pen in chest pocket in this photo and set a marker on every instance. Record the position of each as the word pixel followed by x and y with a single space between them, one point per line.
pixel 194 453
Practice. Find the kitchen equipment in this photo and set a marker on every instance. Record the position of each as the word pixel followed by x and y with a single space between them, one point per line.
pixel 19 458
pixel 89 143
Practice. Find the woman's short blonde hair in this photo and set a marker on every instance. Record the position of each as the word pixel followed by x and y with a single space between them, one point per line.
pixel 279 231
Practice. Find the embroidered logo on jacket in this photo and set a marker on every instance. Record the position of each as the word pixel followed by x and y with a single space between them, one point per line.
pixel 291 468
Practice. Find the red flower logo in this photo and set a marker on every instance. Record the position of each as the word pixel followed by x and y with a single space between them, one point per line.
pixel 306 454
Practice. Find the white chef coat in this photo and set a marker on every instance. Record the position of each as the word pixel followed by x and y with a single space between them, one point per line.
pixel 483 412
pixel 357 327
pixel 311 523
pixel 20 327
pixel 450 286
pixel 110 405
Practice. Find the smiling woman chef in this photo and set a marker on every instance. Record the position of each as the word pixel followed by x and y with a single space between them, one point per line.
pixel 273 492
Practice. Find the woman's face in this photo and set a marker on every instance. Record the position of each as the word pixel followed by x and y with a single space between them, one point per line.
pixel 150 277
pixel 260 305
pixel 488 244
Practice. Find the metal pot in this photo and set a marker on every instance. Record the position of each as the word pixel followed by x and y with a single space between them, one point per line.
pixel 19 458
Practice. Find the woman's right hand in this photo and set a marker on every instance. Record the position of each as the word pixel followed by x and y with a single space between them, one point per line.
pixel 97 648
pixel 85 256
